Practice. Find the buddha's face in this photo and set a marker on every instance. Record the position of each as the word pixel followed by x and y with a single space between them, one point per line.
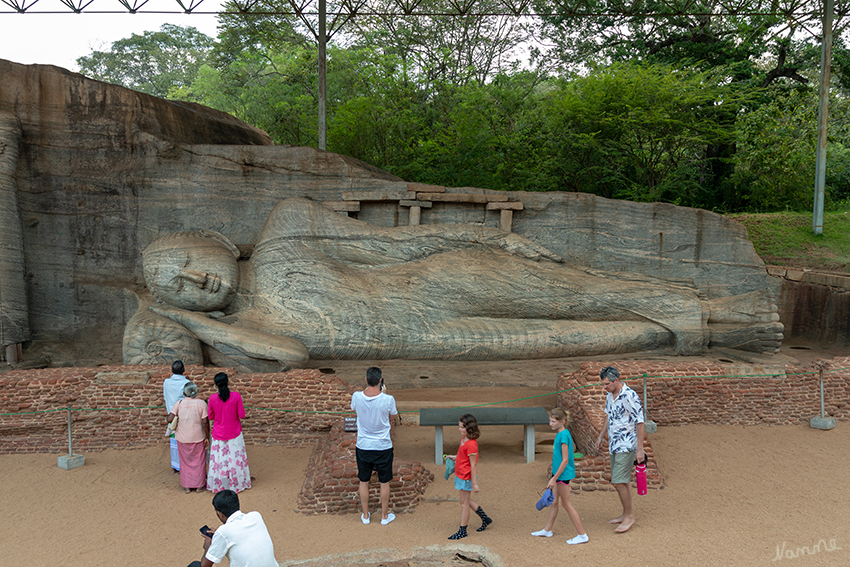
pixel 191 271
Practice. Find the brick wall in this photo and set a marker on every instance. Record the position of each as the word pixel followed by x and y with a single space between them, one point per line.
pixel 120 407
pixel 332 485
pixel 699 392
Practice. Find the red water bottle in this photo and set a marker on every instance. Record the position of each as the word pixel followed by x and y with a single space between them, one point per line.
pixel 640 477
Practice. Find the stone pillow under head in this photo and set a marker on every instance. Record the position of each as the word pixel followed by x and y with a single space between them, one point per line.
pixel 150 338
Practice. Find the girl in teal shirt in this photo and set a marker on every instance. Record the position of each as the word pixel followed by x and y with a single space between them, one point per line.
pixel 563 471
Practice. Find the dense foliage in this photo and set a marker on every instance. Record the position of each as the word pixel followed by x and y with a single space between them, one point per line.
pixel 154 62
pixel 711 112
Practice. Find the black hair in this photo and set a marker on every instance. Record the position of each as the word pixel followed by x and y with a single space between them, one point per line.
pixel 221 383
pixel 226 502
pixel 471 425
pixel 177 367
pixel 373 375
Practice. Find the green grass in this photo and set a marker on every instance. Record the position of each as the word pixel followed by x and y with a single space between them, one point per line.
pixel 786 239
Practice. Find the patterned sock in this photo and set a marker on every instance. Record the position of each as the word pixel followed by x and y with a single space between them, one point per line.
pixel 485 519
pixel 459 534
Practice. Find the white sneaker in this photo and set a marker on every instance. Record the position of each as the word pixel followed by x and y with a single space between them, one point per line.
pixel 578 539
pixel 390 517
pixel 367 519
pixel 542 533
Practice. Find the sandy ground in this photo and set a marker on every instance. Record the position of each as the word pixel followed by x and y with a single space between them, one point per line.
pixel 734 496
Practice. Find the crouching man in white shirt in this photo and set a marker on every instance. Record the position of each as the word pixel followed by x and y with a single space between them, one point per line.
pixel 243 538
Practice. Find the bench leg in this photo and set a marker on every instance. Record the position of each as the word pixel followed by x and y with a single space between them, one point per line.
pixel 438 444
pixel 528 443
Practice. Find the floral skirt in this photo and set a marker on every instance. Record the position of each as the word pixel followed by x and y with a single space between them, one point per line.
pixel 228 466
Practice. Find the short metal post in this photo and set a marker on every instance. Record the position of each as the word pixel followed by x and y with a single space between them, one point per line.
pixel 822 422
pixel 648 425
pixel 70 461
pixel 70 449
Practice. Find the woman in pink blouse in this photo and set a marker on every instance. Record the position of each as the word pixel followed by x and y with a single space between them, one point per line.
pixel 192 435
pixel 228 460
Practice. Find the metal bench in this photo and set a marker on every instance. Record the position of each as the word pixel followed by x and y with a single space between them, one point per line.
pixel 527 417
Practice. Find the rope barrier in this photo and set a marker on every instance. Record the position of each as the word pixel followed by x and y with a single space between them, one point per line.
pixel 79 409
pixel 349 412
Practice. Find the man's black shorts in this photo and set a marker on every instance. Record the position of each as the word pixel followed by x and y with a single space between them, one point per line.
pixel 381 461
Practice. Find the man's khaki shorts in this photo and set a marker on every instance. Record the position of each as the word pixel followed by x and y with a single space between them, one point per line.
pixel 621 467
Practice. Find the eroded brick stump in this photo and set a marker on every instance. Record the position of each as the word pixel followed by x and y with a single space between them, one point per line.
pixel 331 485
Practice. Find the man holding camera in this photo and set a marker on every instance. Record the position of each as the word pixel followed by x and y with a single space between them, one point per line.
pixel 374 448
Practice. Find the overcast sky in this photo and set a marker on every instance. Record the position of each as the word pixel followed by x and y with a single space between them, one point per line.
pixel 59 39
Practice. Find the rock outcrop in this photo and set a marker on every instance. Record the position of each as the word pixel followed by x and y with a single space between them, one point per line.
pixel 103 171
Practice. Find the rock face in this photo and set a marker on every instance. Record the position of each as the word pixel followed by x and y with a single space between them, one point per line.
pixel 14 326
pixel 102 172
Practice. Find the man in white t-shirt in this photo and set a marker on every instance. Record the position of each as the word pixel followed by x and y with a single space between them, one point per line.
pixel 243 538
pixel 172 391
pixel 374 448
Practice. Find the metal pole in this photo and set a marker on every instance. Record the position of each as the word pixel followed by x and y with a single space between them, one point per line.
pixel 70 451
pixel 823 116
pixel 650 426
pixel 822 422
pixel 323 86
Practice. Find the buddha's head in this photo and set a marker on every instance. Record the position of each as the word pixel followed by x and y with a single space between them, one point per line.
pixel 192 270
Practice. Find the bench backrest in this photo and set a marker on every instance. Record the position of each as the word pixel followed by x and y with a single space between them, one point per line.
pixel 484 416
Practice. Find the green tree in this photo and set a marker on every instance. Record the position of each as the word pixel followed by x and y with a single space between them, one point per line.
pixel 755 40
pixel 154 62
pixel 378 119
pixel 441 47
pixel 473 135
pixel 272 90
pixel 638 132
pixel 753 44
pixel 775 164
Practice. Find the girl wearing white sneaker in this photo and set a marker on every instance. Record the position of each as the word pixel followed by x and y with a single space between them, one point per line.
pixel 563 471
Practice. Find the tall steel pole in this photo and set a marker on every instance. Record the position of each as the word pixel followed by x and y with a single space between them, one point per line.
pixel 823 115
pixel 323 83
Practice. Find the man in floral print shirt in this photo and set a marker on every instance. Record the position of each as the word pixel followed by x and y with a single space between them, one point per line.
pixel 625 439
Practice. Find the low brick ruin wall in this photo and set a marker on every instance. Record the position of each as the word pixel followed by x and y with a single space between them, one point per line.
pixel 698 392
pixel 121 407
pixel 332 487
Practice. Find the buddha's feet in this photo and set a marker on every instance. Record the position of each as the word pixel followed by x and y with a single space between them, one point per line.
pixel 750 308
pixel 760 337
pixel 746 322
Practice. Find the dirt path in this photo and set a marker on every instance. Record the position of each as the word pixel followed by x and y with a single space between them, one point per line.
pixel 734 496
